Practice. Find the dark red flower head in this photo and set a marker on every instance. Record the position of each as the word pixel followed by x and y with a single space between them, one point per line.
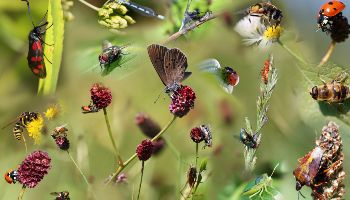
pixel 144 150
pixel 33 169
pixel 100 96
pixel 147 125
pixel 62 142
pixel 158 146
pixel 196 135
pixel 182 101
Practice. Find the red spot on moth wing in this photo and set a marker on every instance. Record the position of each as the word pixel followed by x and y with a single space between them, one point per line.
pixel 35 71
pixel 37 45
pixel 36 59
pixel 40 66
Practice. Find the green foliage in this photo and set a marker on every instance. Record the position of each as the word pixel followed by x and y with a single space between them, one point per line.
pixel 203 165
pixel 54 36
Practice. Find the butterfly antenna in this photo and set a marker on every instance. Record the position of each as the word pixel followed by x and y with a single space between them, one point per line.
pixel 29 13
pixel 158 97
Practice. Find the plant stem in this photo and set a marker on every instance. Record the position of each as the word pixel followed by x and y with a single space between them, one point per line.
pixel 82 174
pixel 25 143
pixel 196 155
pixel 296 56
pixel 116 151
pixel 89 5
pixel 126 163
pixel 21 193
pixel 142 168
pixel 328 54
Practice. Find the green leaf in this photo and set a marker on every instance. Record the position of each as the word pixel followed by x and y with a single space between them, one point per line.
pixel 313 110
pixel 203 165
pixel 54 36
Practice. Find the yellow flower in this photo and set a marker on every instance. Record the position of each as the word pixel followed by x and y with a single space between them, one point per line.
pixel 34 129
pixel 273 32
pixel 52 112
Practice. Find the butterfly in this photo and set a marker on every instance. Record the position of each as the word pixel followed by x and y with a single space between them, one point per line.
pixel 227 77
pixel 170 64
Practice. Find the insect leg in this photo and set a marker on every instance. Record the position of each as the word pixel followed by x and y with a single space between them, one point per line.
pixel 47 59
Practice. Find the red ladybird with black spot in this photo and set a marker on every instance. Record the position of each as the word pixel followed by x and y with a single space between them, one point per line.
pixel 11 176
pixel 35 52
pixel 328 11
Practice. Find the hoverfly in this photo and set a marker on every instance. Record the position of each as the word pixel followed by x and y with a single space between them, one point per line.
pixel 333 92
pixel 266 10
pixel 64 195
pixel 22 120
pixel 59 131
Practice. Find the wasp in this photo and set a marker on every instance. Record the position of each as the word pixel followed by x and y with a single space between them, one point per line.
pixel 61 195
pixel 91 108
pixel 59 131
pixel 265 10
pixel 22 120
pixel 11 176
pixel 333 92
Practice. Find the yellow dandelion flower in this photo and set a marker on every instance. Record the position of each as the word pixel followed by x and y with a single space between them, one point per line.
pixel 34 129
pixel 52 112
pixel 273 32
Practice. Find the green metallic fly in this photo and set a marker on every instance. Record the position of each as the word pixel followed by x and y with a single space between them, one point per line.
pixel 259 186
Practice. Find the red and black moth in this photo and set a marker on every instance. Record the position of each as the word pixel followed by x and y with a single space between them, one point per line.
pixel 36 52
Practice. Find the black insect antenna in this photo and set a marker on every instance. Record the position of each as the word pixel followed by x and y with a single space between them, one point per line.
pixel 155 101
pixel 29 13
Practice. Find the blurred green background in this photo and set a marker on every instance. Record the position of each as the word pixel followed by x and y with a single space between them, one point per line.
pixel 294 118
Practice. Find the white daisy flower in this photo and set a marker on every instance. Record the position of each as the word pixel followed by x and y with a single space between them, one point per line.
pixel 254 31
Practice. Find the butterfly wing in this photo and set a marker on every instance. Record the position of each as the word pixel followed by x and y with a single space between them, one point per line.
pixel 36 58
pixel 175 65
pixel 156 54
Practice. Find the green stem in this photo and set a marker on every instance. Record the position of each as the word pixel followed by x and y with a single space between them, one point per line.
pixel 116 151
pixel 82 174
pixel 328 54
pixel 89 5
pixel 126 163
pixel 21 193
pixel 142 168
pixel 296 56
pixel 196 155
pixel 25 143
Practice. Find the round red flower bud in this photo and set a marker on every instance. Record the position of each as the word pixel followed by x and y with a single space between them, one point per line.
pixel 144 150
pixel 196 135
pixel 100 96
pixel 62 142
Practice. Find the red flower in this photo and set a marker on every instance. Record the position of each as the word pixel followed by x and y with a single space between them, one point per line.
pixel 144 150
pixel 196 135
pixel 62 142
pixel 147 125
pixel 182 101
pixel 33 169
pixel 100 96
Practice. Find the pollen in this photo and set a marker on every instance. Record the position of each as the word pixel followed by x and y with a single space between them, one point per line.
pixel 52 112
pixel 34 129
pixel 273 32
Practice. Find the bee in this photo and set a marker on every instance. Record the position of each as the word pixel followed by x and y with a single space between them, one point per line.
pixel 64 195
pixel 22 120
pixel 91 108
pixel 11 176
pixel 334 92
pixel 59 131
pixel 265 10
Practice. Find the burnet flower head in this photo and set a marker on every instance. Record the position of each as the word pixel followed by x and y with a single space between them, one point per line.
pixel 255 32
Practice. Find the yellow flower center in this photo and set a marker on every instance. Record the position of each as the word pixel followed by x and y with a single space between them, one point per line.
pixel 34 129
pixel 52 112
pixel 273 32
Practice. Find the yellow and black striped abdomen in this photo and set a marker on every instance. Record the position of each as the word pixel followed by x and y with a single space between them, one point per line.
pixel 339 92
pixel 17 131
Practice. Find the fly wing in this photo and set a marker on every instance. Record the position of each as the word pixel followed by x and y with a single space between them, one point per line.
pixel 210 65
pixel 106 44
pixel 35 58
pixel 156 54
pixel 175 65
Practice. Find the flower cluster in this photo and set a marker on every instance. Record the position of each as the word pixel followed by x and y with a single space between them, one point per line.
pixel 67 14
pixel 101 96
pixel 113 15
pixel 52 112
pixel 340 29
pixel 201 133
pixel 144 150
pixel 182 101
pixel 33 169
pixel 59 134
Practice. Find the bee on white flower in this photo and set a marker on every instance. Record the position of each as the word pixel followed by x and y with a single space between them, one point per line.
pixel 255 32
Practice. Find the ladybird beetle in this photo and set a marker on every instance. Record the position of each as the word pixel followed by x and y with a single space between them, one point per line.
pixel 328 11
pixel 11 176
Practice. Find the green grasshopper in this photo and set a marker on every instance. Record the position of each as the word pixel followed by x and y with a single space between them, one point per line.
pixel 259 185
